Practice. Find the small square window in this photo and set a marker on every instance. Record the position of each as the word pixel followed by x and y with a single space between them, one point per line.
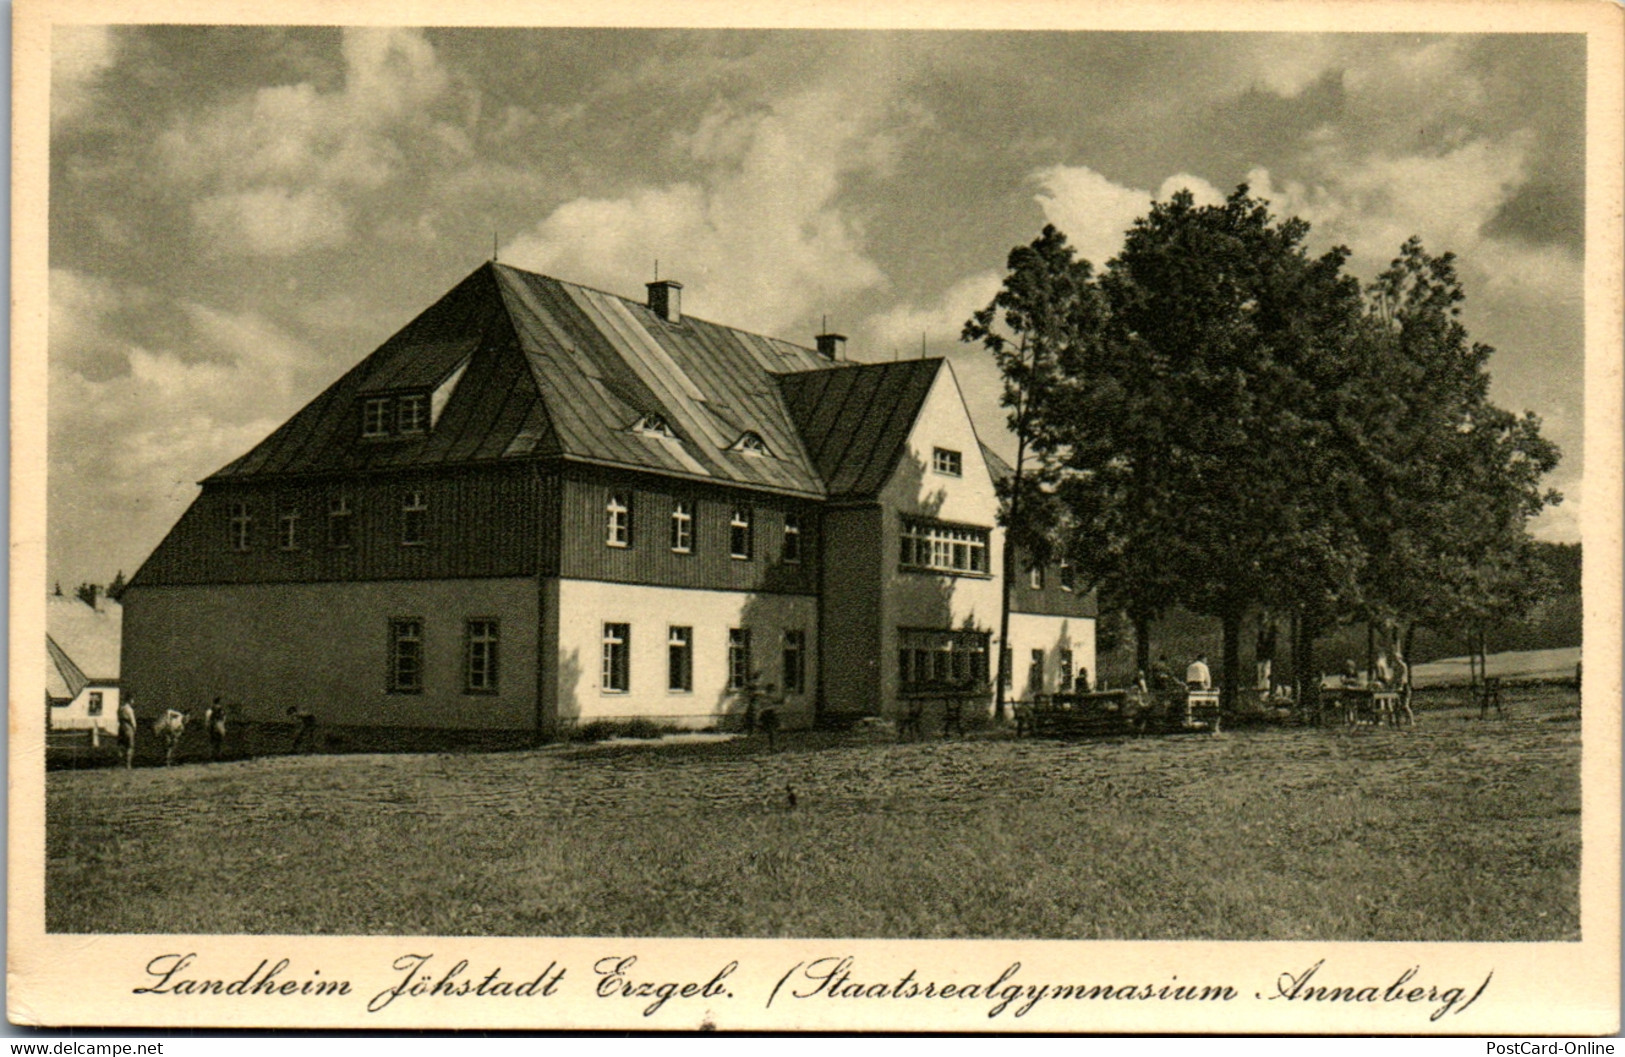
pixel 375 417
pixel 948 462
pixel 411 414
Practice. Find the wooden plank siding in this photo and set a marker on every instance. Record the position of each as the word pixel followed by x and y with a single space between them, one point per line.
pixel 584 554
pixel 1053 599
pixel 480 522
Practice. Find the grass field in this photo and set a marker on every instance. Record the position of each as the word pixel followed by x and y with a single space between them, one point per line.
pixel 1458 830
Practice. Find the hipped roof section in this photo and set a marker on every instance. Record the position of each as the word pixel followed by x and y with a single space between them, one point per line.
pixel 554 369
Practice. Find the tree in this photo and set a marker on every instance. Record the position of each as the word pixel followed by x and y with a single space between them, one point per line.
pixel 116 588
pixel 1046 307
pixel 1194 440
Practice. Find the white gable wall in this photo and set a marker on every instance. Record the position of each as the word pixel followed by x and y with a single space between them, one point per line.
pixel 923 600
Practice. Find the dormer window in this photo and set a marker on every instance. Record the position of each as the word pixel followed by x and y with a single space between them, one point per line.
pixel 412 413
pixel 751 443
pixel 401 415
pixel 375 417
pixel 652 425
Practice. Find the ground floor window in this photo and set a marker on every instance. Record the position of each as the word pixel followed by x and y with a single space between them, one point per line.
pixel 795 662
pixel 617 658
pixel 1063 682
pixel 1007 665
pixel 935 660
pixel 1035 673
pixel 738 658
pixel 680 665
pixel 94 706
pixel 406 655
pixel 480 657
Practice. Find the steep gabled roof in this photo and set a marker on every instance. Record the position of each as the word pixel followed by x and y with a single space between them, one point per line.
pixel 856 421
pixel 81 643
pixel 555 369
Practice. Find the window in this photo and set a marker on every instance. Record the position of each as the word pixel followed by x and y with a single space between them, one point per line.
pixel 751 443
pixel 1063 681
pixel 947 462
pixel 682 527
pixel 617 658
pixel 480 657
pixel 654 426
pixel 93 707
pixel 929 659
pixel 406 656
pixel 1068 579
pixel 241 525
pixel 739 535
pixel 414 518
pixel 943 548
pixel 287 523
pixel 338 521
pixel 795 662
pixel 792 538
pixel 1035 577
pixel 618 522
pixel 738 658
pixel 411 414
pixel 680 660
pixel 1035 673
pixel 375 417
pixel 1007 664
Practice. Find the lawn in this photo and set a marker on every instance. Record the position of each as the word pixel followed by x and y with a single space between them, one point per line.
pixel 1458 830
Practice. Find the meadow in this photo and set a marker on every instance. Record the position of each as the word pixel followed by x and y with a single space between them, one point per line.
pixel 1459 829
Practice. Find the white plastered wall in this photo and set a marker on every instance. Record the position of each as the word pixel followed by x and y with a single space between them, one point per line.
pixel 1031 631
pixel 585 606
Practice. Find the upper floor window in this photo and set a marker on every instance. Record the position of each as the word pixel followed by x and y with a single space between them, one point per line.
pixel 241 526
pixel 1035 577
pixel 682 527
pixel 739 533
pixel 943 548
pixel 1067 576
pixel 375 417
pixel 947 461
pixel 412 413
pixel 751 443
pixel 792 538
pixel 339 518
pixel 414 518
pixel 287 522
pixel 618 520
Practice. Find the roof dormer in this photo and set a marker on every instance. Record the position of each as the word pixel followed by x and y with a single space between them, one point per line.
pixel 654 424
pixel 750 443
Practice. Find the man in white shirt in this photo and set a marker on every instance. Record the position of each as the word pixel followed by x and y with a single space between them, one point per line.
pixel 1197 677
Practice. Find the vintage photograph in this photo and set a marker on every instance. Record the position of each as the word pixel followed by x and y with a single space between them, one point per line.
pixel 985 484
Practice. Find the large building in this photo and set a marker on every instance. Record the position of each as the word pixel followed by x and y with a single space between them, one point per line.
pixel 540 505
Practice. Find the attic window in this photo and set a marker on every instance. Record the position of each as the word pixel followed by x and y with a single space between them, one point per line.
pixel 401 415
pixel 653 425
pixel 751 443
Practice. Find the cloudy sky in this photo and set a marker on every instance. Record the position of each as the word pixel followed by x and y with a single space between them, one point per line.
pixel 240 214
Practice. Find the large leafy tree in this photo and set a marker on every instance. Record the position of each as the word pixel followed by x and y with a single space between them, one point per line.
pixel 1047 305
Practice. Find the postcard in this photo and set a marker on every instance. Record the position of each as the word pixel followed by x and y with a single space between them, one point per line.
pixel 959 517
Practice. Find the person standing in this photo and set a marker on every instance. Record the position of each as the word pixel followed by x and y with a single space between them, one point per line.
pixel 305 737
pixel 126 729
pixel 215 720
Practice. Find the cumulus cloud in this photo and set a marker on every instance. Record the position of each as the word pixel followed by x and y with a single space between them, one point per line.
pixel 272 172
pixel 1094 212
pixel 177 417
pixel 761 232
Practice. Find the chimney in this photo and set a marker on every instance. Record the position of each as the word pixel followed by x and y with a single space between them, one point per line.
pixel 831 346
pixel 666 299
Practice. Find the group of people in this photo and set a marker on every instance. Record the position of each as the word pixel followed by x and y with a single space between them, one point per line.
pixel 1389 673
pixel 171 725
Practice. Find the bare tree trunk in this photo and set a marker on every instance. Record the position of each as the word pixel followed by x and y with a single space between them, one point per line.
pixel 1231 681
pixel 1007 656
pixel 1370 648
pixel 1303 663
pixel 1142 644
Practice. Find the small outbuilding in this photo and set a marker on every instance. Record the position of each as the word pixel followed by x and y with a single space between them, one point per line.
pixel 82 664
